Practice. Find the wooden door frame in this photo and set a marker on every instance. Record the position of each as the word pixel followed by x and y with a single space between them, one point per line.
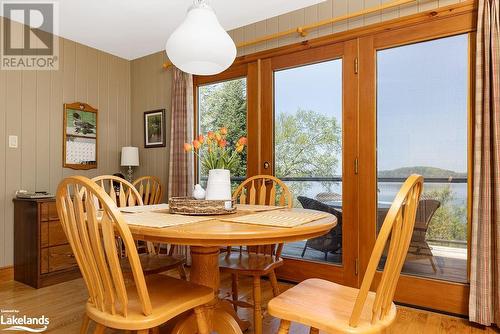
pixel 426 292
pixel 300 269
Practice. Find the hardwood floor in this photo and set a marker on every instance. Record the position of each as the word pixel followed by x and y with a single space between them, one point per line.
pixel 64 304
pixel 6 274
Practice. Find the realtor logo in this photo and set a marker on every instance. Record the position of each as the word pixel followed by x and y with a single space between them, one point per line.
pixel 13 321
pixel 29 36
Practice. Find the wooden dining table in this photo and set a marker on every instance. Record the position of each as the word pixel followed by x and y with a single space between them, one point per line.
pixel 206 239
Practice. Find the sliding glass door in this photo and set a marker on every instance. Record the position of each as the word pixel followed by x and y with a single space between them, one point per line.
pixel 422 113
pixel 308 147
pixel 415 117
pixel 311 151
pixel 350 125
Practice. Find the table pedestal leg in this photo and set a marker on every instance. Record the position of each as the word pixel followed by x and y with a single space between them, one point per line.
pixel 220 314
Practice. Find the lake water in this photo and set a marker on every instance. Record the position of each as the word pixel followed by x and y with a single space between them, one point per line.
pixel 387 190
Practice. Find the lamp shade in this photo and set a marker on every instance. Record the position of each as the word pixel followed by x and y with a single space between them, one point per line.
pixel 130 156
pixel 200 45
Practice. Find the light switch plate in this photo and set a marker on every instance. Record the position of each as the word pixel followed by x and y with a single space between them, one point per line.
pixel 13 141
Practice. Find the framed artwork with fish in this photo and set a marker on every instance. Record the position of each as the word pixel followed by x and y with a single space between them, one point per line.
pixel 79 136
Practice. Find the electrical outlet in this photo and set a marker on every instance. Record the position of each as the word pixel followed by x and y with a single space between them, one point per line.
pixel 13 141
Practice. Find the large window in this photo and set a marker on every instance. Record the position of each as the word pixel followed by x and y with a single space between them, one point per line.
pixel 224 104
pixel 422 108
pixel 308 146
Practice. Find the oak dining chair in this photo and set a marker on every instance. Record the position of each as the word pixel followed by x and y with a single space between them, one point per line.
pixel 419 247
pixel 256 261
pixel 334 308
pixel 123 193
pixel 90 220
pixel 150 189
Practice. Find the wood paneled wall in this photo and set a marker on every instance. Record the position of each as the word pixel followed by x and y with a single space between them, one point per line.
pixel 151 89
pixel 31 107
pixel 325 10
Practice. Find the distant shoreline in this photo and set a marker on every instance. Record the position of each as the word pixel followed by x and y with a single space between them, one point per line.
pixel 425 171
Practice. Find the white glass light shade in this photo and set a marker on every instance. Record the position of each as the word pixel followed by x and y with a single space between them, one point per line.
pixel 200 45
pixel 130 156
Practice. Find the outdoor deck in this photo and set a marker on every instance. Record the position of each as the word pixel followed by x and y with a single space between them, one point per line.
pixel 451 261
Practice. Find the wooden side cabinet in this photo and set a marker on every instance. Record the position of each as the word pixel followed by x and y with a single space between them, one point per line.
pixel 42 255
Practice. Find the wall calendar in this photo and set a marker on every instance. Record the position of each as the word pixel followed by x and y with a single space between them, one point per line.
pixel 80 136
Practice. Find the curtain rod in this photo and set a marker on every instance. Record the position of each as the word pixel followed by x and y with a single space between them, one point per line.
pixel 304 30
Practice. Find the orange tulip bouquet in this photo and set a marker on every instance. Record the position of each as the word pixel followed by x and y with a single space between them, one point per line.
pixel 216 152
pixel 218 158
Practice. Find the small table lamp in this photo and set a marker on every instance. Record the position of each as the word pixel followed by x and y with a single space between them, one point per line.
pixel 130 158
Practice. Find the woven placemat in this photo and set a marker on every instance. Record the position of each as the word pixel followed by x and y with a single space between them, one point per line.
pixel 144 208
pixel 256 208
pixel 159 220
pixel 279 218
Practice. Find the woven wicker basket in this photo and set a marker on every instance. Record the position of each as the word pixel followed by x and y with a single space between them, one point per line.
pixel 195 207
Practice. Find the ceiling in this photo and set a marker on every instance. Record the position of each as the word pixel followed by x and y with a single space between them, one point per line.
pixel 134 28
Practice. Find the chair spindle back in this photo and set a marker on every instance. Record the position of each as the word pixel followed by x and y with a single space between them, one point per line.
pixel 122 192
pixel 89 218
pixel 398 226
pixel 270 250
pixel 263 190
pixel 150 189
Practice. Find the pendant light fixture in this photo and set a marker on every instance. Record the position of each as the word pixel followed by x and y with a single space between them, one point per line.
pixel 200 45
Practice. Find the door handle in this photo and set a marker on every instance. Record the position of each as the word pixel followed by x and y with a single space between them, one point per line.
pixel 266 164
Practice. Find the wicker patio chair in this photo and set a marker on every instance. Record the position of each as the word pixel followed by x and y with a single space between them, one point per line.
pixel 330 242
pixel 419 248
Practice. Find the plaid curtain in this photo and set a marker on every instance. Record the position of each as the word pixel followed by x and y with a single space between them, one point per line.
pixel 484 301
pixel 181 169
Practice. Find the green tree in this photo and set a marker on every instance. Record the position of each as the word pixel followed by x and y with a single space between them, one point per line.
pixel 450 220
pixel 225 105
pixel 307 144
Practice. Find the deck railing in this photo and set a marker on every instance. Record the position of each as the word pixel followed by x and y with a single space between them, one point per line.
pixel 453 180
pixel 339 179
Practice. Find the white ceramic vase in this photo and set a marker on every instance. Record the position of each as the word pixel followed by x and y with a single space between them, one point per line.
pixel 218 185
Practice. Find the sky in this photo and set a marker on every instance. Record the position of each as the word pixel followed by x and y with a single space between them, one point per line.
pixel 421 101
pixel 316 87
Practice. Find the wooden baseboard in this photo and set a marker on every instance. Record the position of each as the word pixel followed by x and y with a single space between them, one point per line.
pixel 6 274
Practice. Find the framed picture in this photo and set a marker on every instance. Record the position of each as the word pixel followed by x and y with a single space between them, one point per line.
pixel 79 136
pixel 154 128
